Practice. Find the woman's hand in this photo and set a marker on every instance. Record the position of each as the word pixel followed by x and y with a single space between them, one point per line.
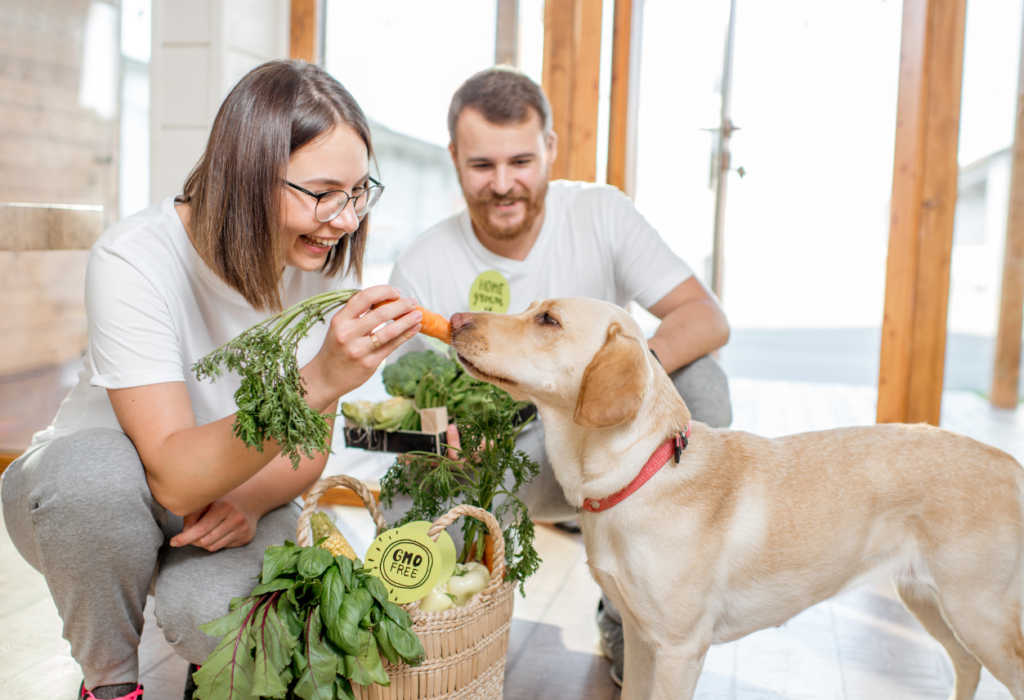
pixel 353 350
pixel 226 522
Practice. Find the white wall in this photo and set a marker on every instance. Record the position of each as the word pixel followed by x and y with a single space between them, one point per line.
pixel 200 50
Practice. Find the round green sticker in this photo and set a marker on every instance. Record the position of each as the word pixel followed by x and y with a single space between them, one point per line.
pixel 489 292
pixel 445 548
pixel 407 562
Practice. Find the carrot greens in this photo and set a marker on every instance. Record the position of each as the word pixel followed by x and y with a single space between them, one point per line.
pixel 270 399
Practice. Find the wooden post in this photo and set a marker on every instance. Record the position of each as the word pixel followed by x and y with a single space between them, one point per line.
pixel 506 38
pixel 1006 370
pixel 722 161
pixel 625 95
pixel 924 191
pixel 572 73
pixel 306 34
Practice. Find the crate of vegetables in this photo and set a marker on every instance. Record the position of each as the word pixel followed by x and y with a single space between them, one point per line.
pixel 378 426
pixel 428 391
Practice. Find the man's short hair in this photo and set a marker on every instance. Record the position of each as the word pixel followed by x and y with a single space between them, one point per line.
pixel 502 95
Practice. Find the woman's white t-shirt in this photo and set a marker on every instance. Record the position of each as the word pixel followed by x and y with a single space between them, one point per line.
pixel 154 308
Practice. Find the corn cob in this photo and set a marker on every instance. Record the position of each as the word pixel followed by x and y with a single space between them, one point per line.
pixel 335 543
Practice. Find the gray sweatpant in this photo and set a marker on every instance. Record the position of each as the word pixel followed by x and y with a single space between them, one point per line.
pixel 80 511
pixel 703 386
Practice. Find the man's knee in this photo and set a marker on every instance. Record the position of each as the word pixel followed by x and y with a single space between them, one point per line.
pixel 705 389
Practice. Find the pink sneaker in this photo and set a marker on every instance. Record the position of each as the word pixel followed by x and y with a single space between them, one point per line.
pixel 136 694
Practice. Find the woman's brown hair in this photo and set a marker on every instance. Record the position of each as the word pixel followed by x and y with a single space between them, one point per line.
pixel 234 191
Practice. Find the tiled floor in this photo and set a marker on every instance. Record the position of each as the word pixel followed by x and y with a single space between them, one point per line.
pixel 860 645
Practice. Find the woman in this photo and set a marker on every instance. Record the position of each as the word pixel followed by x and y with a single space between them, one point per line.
pixel 140 472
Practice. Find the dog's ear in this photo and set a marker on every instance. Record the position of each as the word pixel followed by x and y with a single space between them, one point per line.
pixel 613 383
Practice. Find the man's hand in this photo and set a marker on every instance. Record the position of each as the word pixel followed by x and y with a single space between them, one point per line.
pixel 454 441
pixel 224 523
pixel 692 325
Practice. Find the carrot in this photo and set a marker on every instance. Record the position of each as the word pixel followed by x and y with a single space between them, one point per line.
pixel 433 325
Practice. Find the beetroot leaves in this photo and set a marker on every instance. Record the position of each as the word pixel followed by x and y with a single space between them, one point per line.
pixel 314 625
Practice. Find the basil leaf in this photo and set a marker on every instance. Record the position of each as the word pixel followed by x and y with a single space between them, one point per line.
pixel 347 575
pixel 368 619
pixel 366 668
pixel 317 680
pixel 307 593
pixel 331 598
pixel 278 584
pixel 352 611
pixel 278 560
pixel 331 595
pixel 376 589
pixel 382 634
pixel 312 561
pixel 398 614
pixel 407 645
pixel 274 646
pixel 230 622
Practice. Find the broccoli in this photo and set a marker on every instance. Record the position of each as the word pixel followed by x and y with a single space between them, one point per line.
pixel 401 378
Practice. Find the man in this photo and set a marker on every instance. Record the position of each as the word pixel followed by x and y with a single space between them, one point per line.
pixel 523 238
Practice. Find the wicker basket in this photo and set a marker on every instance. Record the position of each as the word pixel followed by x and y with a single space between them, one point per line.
pixel 465 647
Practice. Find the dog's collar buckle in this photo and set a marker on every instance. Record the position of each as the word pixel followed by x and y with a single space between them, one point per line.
pixel 674 446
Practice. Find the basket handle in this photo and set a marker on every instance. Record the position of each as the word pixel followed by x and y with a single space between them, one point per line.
pixel 302 535
pixel 497 573
pixel 498 564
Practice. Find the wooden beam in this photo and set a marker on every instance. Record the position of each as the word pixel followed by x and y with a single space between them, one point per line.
pixel 506 38
pixel 1006 369
pixel 625 95
pixel 924 191
pixel 49 227
pixel 344 497
pixel 306 30
pixel 572 74
pixel 8 456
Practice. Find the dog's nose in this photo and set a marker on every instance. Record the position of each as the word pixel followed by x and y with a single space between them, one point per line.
pixel 461 321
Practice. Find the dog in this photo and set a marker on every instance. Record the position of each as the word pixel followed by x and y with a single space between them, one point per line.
pixel 745 532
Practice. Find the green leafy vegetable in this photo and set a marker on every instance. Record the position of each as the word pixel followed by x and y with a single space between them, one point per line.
pixel 270 399
pixel 359 412
pixel 389 415
pixel 478 477
pixel 316 626
pixel 401 377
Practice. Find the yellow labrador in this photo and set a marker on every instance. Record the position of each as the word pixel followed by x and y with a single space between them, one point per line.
pixel 746 532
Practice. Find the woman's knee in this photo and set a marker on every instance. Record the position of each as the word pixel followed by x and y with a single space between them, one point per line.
pixel 195 586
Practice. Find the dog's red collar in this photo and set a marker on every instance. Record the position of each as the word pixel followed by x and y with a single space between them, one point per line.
pixel 672 447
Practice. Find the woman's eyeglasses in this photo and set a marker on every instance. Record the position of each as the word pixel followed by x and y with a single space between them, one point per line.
pixel 330 204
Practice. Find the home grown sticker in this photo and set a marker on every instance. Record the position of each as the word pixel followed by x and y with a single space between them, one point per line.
pixel 489 292
pixel 407 562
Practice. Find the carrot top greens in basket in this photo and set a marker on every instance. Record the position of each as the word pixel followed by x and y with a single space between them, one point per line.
pixel 488 474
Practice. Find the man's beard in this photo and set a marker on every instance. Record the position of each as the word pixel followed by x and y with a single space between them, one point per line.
pixel 479 212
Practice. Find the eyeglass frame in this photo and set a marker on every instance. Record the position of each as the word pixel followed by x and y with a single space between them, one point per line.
pixel 320 196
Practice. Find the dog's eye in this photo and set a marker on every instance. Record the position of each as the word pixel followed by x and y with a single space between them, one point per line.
pixel 546 319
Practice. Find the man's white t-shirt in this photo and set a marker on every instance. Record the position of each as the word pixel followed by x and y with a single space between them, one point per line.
pixel 593 243
pixel 154 308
